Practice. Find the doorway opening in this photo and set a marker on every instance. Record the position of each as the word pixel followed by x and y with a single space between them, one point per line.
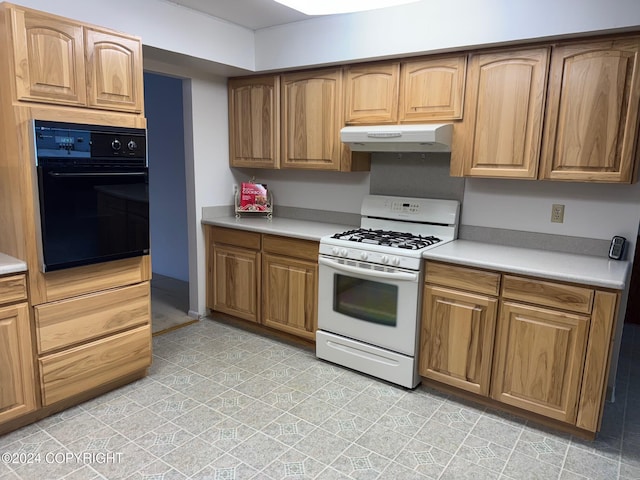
pixel 167 202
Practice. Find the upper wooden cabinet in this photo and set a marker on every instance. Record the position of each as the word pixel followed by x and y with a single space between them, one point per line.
pixel 311 119
pixel 371 93
pixel 59 61
pixel 114 69
pixel 254 121
pixel 592 114
pixel 502 129
pixel 417 90
pixel 432 89
pixel 573 117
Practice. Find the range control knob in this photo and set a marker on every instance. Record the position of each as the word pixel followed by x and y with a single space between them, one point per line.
pixel 384 259
pixel 395 261
pixel 343 252
pixel 335 251
pixel 364 255
pixel 132 145
pixel 116 145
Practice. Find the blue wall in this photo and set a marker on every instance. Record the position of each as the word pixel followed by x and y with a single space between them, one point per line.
pixel 167 184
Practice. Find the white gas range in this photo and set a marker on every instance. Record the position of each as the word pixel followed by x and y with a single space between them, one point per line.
pixel 370 285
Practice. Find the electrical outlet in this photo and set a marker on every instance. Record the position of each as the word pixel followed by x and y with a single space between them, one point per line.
pixel 557 213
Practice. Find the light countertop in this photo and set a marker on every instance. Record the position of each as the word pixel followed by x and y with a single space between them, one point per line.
pixel 9 264
pixel 566 267
pixel 289 227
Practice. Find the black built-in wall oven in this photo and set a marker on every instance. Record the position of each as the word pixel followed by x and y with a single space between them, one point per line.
pixel 93 193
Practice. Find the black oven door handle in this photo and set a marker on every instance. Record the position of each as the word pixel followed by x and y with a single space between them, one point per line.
pixel 94 174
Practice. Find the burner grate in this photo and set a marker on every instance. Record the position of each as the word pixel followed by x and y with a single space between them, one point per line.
pixel 388 238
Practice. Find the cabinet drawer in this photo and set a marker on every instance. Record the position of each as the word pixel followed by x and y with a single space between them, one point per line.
pixel 291 247
pixel 550 294
pixel 238 238
pixel 80 319
pixel 13 289
pixel 79 369
pixel 479 281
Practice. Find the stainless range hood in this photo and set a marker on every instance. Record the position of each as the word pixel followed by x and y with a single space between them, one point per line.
pixel 398 138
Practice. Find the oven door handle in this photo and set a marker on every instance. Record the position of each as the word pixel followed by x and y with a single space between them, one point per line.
pixel 412 277
pixel 94 174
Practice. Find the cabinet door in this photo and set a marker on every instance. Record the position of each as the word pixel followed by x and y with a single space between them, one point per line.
pixel 457 338
pixel 501 133
pixel 49 59
pixel 17 380
pixel 289 289
pixel 432 89
pixel 592 114
pixel 254 122
pixel 371 93
pixel 539 360
pixel 312 116
pixel 234 279
pixel 114 64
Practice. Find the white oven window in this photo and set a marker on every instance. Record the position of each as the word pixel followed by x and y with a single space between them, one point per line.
pixel 367 300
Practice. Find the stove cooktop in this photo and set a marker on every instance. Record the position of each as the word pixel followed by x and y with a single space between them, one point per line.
pixel 388 238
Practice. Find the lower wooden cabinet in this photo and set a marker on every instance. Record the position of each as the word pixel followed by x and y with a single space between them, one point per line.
pixel 539 359
pixel 267 279
pixel 457 338
pixel 539 345
pixel 76 370
pixel 290 285
pixel 17 380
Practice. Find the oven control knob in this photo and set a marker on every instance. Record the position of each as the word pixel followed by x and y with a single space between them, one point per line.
pixel 335 251
pixel 395 261
pixel 343 252
pixel 132 145
pixel 116 145
pixel 384 259
pixel 364 255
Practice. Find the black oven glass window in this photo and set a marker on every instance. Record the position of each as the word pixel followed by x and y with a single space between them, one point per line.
pixel 367 300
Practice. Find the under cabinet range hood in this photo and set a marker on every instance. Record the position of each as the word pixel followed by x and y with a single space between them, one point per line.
pixel 398 138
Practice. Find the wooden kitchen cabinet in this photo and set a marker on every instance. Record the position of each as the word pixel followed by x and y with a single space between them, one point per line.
pixel 458 326
pixel 17 376
pixel 432 88
pixel 233 259
pixel 290 285
pixel 372 93
pixel 591 121
pixel 501 133
pixel 63 62
pixel 114 71
pixel 539 345
pixel 312 115
pixel 254 121
pixel 540 359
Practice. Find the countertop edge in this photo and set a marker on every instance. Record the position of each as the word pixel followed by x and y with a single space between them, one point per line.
pixel 9 265
pixel 600 275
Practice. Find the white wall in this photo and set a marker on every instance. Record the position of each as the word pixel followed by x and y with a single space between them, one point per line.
pixel 591 210
pixel 333 191
pixel 431 26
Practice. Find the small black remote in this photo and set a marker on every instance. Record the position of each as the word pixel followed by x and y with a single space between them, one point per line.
pixel 616 249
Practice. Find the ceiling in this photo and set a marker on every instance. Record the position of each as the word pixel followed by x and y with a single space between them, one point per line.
pixel 252 14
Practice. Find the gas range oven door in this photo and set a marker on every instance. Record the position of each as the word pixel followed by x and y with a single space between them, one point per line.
pixel 369 303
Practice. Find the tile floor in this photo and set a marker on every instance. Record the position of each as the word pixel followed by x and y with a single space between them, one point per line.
pixel 223 403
